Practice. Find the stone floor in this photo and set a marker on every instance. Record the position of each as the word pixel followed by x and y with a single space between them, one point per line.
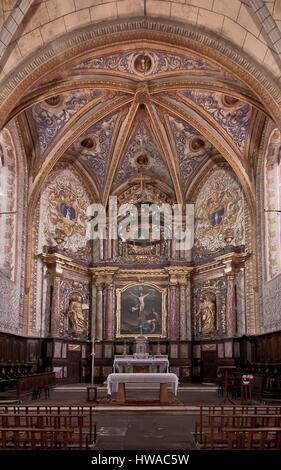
pixel 145 430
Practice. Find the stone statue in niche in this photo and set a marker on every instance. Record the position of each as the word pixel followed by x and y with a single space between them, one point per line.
pixel 207 314
pixel 75 316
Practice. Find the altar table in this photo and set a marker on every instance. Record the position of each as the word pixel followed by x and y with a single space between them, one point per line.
pixel 118 382
pixel 151 364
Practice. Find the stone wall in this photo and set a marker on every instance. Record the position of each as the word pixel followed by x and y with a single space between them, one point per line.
pixel 12 232
pixel 271 305
pixel 49 19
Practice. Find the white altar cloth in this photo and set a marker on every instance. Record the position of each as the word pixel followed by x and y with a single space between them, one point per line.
pixel 114 379
pixel 120 362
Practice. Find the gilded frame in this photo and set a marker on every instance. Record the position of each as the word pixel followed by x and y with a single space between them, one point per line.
pixel 120 291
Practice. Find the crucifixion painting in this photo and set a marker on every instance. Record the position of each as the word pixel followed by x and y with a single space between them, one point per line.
pixel 141 310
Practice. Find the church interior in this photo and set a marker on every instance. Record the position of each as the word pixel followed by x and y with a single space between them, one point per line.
pixel 142 102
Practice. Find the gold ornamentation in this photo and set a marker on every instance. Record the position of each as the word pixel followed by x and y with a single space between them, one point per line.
pixel 66 212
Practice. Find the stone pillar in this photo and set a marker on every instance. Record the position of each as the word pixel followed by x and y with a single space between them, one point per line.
pixel 183 312
pixel 99 316
pixel 109 248
pixel 169 242
pixel 94 309
pixel 114 248
pixel 55 310
pixel 230 306
pixel 173 248
pixel 241 307
pixel 109 333
pixel 188 309
pixel 101 254
pixel 173 312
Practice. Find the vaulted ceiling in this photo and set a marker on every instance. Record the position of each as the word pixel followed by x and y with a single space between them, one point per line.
pixel 142 114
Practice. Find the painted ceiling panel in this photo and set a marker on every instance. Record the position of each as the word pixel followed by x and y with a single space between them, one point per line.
pixel 145 63
pixel 191 148
pixel 142 143
pixel 49 116
pixel 94 147
pixel 231 114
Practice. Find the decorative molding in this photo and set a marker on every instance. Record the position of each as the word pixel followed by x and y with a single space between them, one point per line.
pixel 208 44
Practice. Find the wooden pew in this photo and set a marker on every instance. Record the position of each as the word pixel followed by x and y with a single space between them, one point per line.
pixel 35 439
pixel 79 419
pixel 213 428
pixel 206 412
pixel 28 383
pixel 268 438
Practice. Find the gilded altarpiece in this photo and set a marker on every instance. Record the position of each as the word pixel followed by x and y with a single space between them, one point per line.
pixel 209 309
pixel 74 309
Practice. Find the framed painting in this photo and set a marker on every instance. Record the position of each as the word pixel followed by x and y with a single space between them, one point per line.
pixel 141 310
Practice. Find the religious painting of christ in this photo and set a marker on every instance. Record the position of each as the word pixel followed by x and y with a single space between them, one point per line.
pixel 141 310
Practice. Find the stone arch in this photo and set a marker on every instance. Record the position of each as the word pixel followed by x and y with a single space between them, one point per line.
pixel 269 279
pixel 272 204
pixel 117 32
pixel 213 232
pixel 61 227
pixel 12 227
pixel 20 79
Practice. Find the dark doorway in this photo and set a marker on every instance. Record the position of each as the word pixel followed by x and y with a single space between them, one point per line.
pixel 209 366
pixel 74 366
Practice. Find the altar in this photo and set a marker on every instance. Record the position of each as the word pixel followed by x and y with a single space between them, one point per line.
pixel 117 382
pixel 132 364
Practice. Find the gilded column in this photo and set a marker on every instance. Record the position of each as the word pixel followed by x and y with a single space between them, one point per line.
pixel 99 317
pixel 183 318
pixel 55 311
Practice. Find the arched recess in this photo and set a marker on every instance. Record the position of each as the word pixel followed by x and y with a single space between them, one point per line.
pixel 272 204
pixel 13 202
pixel 269 234
pixel 218 190
pixel 134 31
pixel 59 220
